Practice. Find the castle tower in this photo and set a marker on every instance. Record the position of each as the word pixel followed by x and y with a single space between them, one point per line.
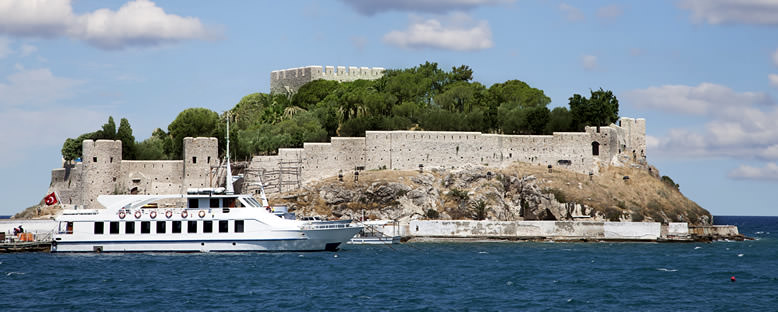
pixel 290 80
pixel 634 132
pixel 101 168
pixel 199 155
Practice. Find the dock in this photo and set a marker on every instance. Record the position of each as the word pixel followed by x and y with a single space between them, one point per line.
pixel 39 246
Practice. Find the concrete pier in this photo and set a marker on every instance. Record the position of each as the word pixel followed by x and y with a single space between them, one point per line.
pixel 469 230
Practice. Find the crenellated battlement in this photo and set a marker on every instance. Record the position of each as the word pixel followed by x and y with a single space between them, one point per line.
pixel 289 80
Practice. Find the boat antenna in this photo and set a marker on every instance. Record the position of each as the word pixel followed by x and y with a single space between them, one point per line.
pixel 228 178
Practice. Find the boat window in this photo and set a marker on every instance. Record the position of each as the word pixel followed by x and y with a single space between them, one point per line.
pixel 176 227
pixel 238 226
pixel 229 202
pixel 114 227
pixel 207 226
pixel 252 202
pixel 129 227
pixel 214 203
pixel 223 226
pixel 161 227
pixel 145 227
pixel 193 203
pixel 191 227
pixel 68 227
pixel 98 227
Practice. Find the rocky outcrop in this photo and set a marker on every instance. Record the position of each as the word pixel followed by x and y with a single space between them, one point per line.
pixel 521 192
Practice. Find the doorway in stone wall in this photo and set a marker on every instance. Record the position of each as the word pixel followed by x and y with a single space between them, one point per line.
pixel 595 148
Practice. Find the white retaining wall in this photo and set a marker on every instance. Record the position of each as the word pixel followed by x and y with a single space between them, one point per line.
pixel 534 229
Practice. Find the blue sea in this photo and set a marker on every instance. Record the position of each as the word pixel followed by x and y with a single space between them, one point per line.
pixel 499 276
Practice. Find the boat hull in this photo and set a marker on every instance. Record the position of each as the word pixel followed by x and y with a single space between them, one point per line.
pixel 311 240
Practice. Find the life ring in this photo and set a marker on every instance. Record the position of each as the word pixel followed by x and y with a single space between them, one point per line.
pixel 137 214
pixel 153 214
pixel 201 213
pixel 122 214
pixel 184 214
pixel 168 214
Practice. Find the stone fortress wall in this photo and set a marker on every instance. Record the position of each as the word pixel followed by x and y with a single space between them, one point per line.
pixel 289 80
pixel 582 152
pixel 102 171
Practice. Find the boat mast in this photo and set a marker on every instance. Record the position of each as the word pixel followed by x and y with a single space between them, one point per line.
pixel 228 178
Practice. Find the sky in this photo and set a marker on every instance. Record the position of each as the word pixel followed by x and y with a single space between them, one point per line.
pixel 703 73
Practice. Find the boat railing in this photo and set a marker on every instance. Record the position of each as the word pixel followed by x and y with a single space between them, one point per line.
pixel 325 225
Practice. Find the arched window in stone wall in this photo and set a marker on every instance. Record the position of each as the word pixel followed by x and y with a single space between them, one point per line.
pixel 595 148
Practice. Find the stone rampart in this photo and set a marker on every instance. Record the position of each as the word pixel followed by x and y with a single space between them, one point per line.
pixel 152 177
pixel 581 152
pixel 290 80
pixel 199 155
pixel 102 171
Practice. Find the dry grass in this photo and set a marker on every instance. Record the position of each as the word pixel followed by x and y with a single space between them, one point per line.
pixel 611 195
pixel 642 197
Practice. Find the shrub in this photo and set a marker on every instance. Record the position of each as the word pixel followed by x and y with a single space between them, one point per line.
pixel 432 214
pixel 459 194
pixel 559 195
pixel 613 214
pixel 667 180
pixel 479 210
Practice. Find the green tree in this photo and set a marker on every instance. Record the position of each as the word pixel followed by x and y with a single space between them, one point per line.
pixel 152 148
pixel 192 122
pixel 537 118
pixel 518 92
pixel 72 148
pixel 601 109
pixel 460 97
pixel 461 73
pixel 313 92
pixel 124 133
pixel 441 120
pixel 512 118
pixel 109 130
pixel 560 120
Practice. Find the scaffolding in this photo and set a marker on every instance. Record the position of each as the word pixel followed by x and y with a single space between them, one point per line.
pixel 285 178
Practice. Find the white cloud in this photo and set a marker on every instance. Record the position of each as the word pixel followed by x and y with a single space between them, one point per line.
pixel 589 62
pixel 34 88
pixel 572 13
pixel 706 98
pixel 27 49
pixel 34 130
pixel 430 6
pixel 5 47
pixel 775 57
pixel 458 32
pixel 37 18
pixel 740 125
pixel 136 23
pixel 29 110
pixel 763 12
pixel 359 42
pixel 610 12
pixel 768 172
pixel 652 142
pixel 773 78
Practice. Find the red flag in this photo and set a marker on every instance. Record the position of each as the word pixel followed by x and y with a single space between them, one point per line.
pixel 50 199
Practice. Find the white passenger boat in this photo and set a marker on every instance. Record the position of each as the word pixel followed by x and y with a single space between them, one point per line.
pixel 202 220
pixel 210 222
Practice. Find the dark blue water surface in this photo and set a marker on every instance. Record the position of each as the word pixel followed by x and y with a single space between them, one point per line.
pixel 418 276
